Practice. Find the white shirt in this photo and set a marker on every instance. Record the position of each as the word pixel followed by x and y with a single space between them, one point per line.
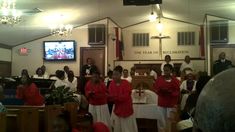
pixel 41 77
pixel 183 85
pixel 59 83
pixel 153 73
pixel 106 80
pixel 186 65
pixel 73 84
pixel 129 79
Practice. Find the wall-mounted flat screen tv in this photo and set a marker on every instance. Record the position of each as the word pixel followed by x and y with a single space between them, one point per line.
pixel 59 50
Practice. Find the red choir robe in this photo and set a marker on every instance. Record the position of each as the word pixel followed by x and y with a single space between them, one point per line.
pixel 121 96
pixel 96 93
pixel 168 92
pixel 30 94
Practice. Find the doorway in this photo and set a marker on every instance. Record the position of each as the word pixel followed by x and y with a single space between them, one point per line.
pixel 98 56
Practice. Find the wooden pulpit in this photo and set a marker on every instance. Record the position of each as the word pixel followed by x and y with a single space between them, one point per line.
pixel 143 82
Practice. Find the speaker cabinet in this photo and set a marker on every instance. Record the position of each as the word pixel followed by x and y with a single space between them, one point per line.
pixel 96 34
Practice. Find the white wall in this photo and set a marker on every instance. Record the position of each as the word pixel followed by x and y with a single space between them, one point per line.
pixel 5 54
pixel 35 58
pixel 169 46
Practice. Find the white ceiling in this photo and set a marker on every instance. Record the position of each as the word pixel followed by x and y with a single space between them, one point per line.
pixel 79 12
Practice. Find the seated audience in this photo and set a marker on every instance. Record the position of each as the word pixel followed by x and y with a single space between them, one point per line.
pixel 188 112
pixel 96 94
pixel 126 76
pixel 28 92
pixel 187 87
pixel 39 74
pixel 72 82
pixel 167 61
pixel 120 93
pixel 167 88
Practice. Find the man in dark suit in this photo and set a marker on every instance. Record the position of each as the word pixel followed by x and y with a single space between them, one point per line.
pixel 221 64
pixel 88 68
pixel 86 72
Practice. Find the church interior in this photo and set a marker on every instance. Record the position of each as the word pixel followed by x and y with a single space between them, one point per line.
pixel 67 61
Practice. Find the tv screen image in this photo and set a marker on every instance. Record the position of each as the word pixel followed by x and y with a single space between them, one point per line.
pixel 59 50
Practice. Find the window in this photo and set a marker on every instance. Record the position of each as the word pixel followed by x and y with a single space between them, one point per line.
pixel 186 38
pixel 140 39
pixel 219 31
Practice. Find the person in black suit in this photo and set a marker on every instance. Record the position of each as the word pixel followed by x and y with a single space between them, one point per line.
pixel 86 72
pixel 221 64
pixel 88 68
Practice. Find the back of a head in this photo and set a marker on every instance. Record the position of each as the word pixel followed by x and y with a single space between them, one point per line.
pixel 215 105
pixel 100 127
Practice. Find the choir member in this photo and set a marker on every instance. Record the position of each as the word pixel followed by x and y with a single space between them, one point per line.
pixel 28 92
pixel 96 94
pixel 168 90
pixel 120 94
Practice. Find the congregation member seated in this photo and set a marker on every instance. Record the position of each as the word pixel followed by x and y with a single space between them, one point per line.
pixel 187 114
pixel 187 64
pixel 66 71
pixel 153 72
pixel 167 61
pixel 39 74
pixel 126 76
pixel 167 88
pixel 28 92
pixel 44 72
pixel 60 79
pixel 123 119
pixel 187 87
pixel 24 72
pixel 62 123
pixel 96 94
pixel 108 79
pixel 71 80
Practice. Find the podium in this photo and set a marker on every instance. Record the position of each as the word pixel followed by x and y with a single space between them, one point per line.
pixel 143 82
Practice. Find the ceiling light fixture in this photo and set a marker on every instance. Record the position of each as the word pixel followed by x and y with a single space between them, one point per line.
pixel 9 15
pixel 61 29
pixel 152 16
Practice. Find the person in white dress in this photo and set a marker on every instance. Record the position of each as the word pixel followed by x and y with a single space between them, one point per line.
pixel 60 81
pixel 72 82
pixel 187 64
pixel 43 67
pixel 39 74
pixel 126 76
pixel 167 61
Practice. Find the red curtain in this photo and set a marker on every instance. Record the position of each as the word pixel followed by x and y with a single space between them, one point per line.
pixel 202 42
pixel 119 45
